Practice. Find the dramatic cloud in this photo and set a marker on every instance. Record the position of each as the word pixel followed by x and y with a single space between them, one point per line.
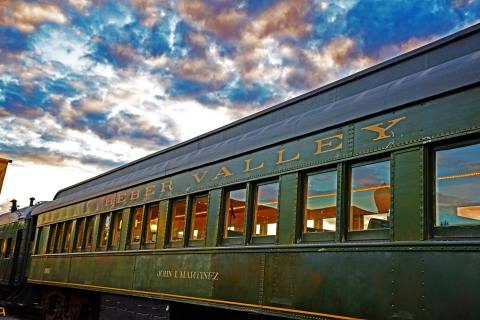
pixel 87 85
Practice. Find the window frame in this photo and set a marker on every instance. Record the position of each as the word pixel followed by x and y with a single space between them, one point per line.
pixel 52 235
pixel 90 248
pixel 99 246
pixel 446 232
pixel 381 234
pixel 266 239
pixel 229 241
pixel 130 245
pixel 181 242
pixel 326 236
pixel 79 234
pixel 196 242
pixel 146 225
pixel 111 246
pixel 68 226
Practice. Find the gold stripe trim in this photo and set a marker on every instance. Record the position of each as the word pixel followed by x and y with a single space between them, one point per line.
pixel 196 298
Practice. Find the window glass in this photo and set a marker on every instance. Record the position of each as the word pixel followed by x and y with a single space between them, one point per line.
pixel 152 220
pixel 89 232
pixel 457 182
pixel 79 233
pixel 199 217
pixel 68 236
pixel 116 228
pixel 3 247
pixel 235 212
pixel 104 229
pixel 8 248
pixel 39 240
pixel 320 207
pixel 59 237
pixel 266 209
pixel 136 225
pixel 370 196
pixel 51 238
pixel 178 219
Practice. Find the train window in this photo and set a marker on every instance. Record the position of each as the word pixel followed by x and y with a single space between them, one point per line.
pixel 39 240
pixel 116 229
pixel 104 230
pixel 51 238
pixel 59 237
pixel 178 219
pixel 79 233
pixel 152 224
pixel 8 248
pixel 370 196
pixel 320 202
pixel 235 201
pixel 3 245
pixel 89 224
pixel 68 236
pixel 136 226
pixel 266 209
pixel 199 217
pixel 457 186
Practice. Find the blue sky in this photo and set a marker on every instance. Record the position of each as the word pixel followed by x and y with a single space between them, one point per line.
pixel 87 85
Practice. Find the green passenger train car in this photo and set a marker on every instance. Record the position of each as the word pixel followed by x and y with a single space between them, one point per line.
pixel 359 200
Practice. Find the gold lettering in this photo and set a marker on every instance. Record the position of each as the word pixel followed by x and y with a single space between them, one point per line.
pixel 135 194
pixel 149 191
pixel 280 157
pixel 224 171
pixel 199 178
pixel 167 184
pixel 109 200
pixel 121 197
pixel 248 168
pixel 381 131
pixel 325 145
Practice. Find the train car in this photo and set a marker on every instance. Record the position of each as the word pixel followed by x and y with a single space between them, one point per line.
pixel 16 239
pixel 358 200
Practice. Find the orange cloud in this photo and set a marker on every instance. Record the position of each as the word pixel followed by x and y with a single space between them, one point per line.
pixel 202 71
pixel 225 22
pixel 27 16
pixel 150 10
pixel 285 19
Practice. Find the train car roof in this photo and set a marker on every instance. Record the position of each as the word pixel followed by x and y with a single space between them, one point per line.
pixel 441 67
pixel 19 214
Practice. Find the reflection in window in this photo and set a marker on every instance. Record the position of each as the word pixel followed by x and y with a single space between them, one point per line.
pixel 458 186
pixel 320 202
pixel 235 213
pixel 152 220
pixel 199 217
pixel 89 232
pixel 79 233
pixel 178 220
pixel 116 228
pixel 8 248
pixel 370 196
pixel 266 210
pixel 68 236
pixel 136 225
pixel 59 237
pixel 51 238
pixel 104 229
pixel 3 247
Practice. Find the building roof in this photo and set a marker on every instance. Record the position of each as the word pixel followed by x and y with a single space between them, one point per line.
pixel 446 65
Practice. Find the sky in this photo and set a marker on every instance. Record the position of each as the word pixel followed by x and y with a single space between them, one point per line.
pixel 88 85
